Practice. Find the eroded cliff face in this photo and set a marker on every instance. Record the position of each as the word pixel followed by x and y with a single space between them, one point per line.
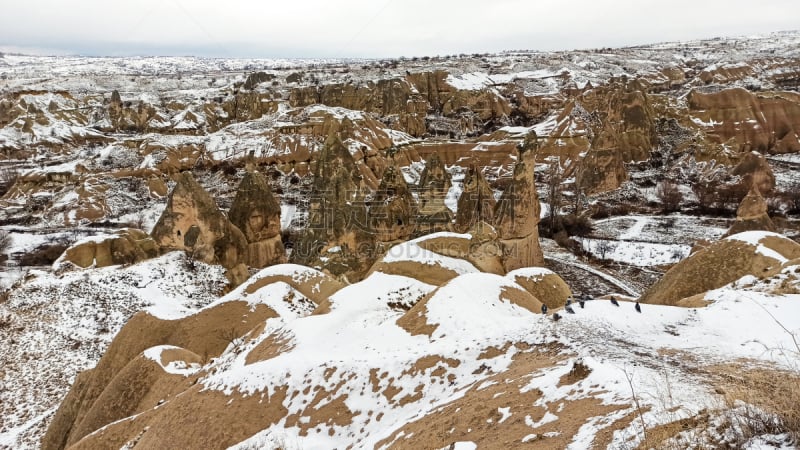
pixel 434 184
pixel 767 122
pixel 476 202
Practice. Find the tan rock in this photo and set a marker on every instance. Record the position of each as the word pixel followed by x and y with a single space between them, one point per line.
pixel 755 170
pixel 258 215
pixel 338 239
pixel 434 184
pixel 720 263
pixel 752 214
pixel 192 222
pixel 476 202
pixel 744 121
pixel 544 284
pixel 392 214
pixel 516 217
pixel 125 247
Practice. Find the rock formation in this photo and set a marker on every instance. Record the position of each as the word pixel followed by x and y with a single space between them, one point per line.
pixel 516 216
pixel 434 184
pixel 752 214
pixel 338 238
pixel 756 171
pixel 258 215
pixel 745 121
pixel 544 284
pixel 392 213
pixel 125 247
pixel 720 263
pixel 192 222
pixel 476 202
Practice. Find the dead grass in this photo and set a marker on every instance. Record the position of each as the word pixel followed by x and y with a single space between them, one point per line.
pixel 765 401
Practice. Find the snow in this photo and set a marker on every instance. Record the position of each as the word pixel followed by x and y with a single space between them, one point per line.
pixel 474 81
pixel 536 273
pixel 410 251
pixel 64 324
pixel 473 304
pixel 640 254
pixel 754 238
pixel 465 445
pixel 173 367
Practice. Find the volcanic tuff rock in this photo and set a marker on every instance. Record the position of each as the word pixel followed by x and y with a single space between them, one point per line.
pixel 258 215
pixel 476 202
pixel 516 216
pixel 434 184
pixel 125 247
pixel 338 238
pixel 756 171
pixel 544 284
pixel 766 122
pixel 757 253
pixel 123 383
pixel 392 213
pixel 192 222
pixel 752 214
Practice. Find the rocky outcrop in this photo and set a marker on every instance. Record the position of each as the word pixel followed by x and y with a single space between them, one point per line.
pixel 544 284
pixel 123 383
pixel 476 202
pixel 601 171
pixel 192 222
pixel 434 184
pixel 125 247
pixel 258 215
pixel 624 120
pixel 752 214
pixel 392 213
pixel 338 238
pixel 756 171
pixel 516 216
pixel 391 97
pixel 756 253
pixel 745 121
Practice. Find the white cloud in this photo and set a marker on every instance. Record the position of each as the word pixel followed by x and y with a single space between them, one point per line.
pixel 307 28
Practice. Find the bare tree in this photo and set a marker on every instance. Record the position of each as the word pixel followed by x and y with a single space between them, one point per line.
pixel 669 195
pixel 604 247
pixel 5 242
pixel 555 176
pixel 792 196
pixel 706 195
pixel 8 177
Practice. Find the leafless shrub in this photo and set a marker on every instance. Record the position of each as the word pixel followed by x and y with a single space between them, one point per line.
pixel 8 177
pixel 669 195
pixel 765 402
pixel 5 242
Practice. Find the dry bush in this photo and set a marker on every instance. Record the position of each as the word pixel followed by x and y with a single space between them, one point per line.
pixel 576 225
pixel 765 402
pixel 5 242
pixel 45 254
pixel 604 211
pixel 706 195
pixel 792 196
pixel 8 177
pixel 669 195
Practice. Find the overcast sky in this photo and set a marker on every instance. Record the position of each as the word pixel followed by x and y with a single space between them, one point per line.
pixel 376 28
